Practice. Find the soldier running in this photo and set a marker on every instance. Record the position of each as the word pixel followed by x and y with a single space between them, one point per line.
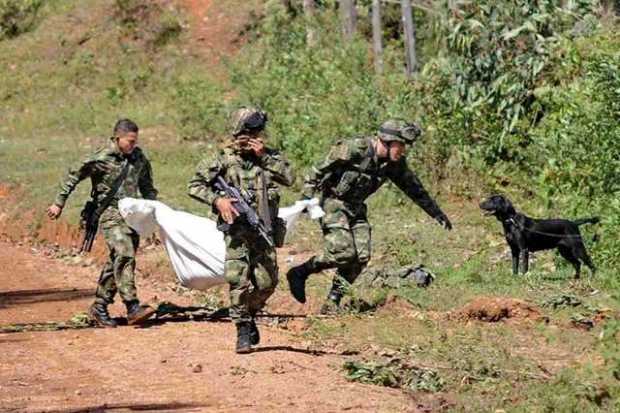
pixel 118 170
pixel 353 170
pixel 248 165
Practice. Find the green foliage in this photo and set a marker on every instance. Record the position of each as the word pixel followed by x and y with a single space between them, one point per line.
pixel 573 390
pixel 610 343
pixel 394 373
pixel 497 53
pixel 577 147
pixel 149 21
pixel 201 111
pixel 17 17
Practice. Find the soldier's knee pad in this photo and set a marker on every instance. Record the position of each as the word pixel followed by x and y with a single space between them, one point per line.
pixel 264 280
pixel 234 271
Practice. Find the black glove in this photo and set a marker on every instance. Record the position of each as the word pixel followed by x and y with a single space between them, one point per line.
pixel 444 221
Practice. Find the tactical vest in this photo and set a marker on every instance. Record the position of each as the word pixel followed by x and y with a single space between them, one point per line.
pixel 358 179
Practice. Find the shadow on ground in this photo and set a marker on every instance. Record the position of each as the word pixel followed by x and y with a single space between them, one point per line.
pixel 129 407
pixel 22 297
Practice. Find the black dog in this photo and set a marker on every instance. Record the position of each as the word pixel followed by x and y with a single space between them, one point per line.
pixel 525 234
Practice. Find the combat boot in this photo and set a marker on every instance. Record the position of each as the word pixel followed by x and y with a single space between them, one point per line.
pixel 98 312
pixel 244 344
pixel 137 313
pixel 254 334
pixel 332 304
pixel 297 277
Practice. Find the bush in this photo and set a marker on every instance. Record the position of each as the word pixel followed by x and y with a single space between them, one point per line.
pixel 577 145
pixel 17 16
pixel 201 109
pixel 148 21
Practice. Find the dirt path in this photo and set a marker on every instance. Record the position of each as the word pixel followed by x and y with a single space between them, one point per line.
pixel 154 368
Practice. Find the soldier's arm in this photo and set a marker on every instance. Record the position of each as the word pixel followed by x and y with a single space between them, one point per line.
pixel 279 167
pixel 201 185
pixel 145 182
pixel 408 182
pixel 338 155
pixel 74 176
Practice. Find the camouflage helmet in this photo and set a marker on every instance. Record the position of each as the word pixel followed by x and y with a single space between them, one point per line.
pixel 247 120
pixel 399 130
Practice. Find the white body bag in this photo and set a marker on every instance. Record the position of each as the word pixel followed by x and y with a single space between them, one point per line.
pixel 194 245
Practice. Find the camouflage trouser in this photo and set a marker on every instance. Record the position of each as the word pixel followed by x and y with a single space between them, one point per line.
pixel 251 270
pixel 118 272
pixel 347 242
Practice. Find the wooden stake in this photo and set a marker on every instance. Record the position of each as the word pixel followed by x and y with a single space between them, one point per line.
pixel 377 35
pixel 409 29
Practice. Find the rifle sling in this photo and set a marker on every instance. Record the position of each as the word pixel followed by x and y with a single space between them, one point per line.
pixel 116 185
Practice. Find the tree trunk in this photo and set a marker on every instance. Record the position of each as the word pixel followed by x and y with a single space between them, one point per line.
pixel 409 28
pixel 309 10
pixel 348 15
pixel 377 35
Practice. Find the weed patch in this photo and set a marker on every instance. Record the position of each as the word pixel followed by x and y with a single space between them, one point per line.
pixel 394 373
pixel 17 17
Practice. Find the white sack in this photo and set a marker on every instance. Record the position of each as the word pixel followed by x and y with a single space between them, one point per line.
pixel 194 245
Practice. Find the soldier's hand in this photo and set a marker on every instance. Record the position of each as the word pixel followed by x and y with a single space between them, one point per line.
pixel 54 211
pixel 258 146
pixel 444 221
pixel 226 209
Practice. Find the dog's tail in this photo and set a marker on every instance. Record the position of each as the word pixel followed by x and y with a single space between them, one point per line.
pixel 593 220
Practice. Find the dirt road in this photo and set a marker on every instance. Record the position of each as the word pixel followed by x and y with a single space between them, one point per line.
pixel 175 366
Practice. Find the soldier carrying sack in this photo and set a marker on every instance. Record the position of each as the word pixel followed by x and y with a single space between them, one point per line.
pixel 255 171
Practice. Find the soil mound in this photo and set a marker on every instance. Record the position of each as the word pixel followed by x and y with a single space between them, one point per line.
pixel 397 305
pixel 494 309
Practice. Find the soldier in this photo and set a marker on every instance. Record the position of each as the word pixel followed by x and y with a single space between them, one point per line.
pixel 251 268
pixel 106 169
pixel 353 170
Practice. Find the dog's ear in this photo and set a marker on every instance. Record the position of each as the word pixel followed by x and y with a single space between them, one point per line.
pixel 506 206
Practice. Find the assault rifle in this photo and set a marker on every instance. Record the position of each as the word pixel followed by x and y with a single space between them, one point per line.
pixel 90 221
pixel 245 210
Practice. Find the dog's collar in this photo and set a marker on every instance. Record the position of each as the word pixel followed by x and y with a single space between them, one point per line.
pixel 510 220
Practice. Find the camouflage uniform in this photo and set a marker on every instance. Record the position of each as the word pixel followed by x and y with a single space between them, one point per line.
pixel 348 176
pixel 251 268
pixel 102 167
